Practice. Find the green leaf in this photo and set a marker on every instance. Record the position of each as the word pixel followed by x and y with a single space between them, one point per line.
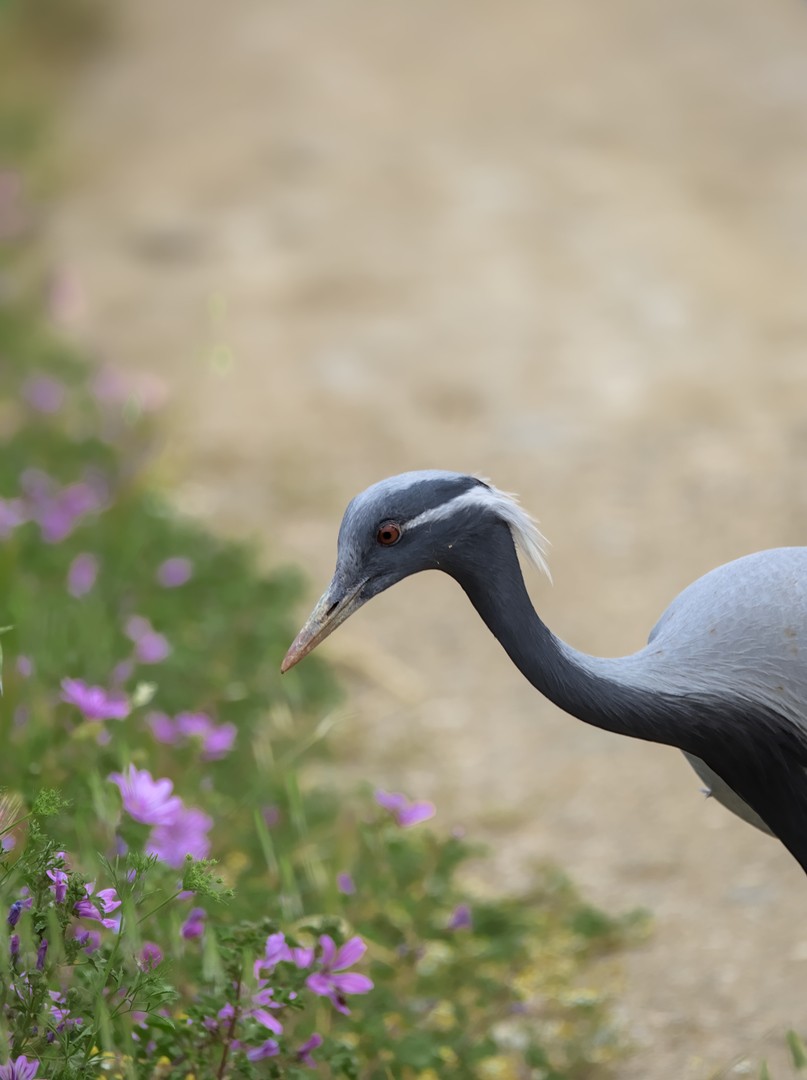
pixel 797 1050
pixel 161 1022
pixel 3 630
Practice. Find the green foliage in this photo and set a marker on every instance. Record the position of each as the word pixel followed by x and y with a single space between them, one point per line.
pixel 464 985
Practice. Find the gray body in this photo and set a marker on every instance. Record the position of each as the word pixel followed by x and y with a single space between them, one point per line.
pixel 723 676
pixel 740 628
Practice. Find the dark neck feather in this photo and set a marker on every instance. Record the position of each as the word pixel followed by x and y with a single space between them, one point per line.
pixel 492 579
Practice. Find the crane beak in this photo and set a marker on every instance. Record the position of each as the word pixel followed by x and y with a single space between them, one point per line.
pixel 333 607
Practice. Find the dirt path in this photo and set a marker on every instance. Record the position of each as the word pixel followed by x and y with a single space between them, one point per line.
pixel 563 244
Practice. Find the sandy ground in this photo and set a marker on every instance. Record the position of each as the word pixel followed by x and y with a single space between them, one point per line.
pixel 563 244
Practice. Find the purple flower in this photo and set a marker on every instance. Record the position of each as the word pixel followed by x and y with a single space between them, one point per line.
pixel 95 702
pixel 261 1003
pixel 19 1068
pixel 14 946
pixel 304 1051
pixel 150 956
pixel 460 918
pixel 218 742
pixel 277 951
pixel 265 1050
pixel 148 800
pixel 174 572
pixel 41 954
pixel 60 1014
pixel 43 393
pixel 406 813
pixel 193 724
pixel 59 886
pixel 12 514
pixel 194 925
pixel 17 909
pixel 150 646
pixel 106 902
pixel 121 672
pixel 216 739
pixel 90 939
pixel 345 884
pixel 58 512
pixel 82 574
pixel 332 981
pixel 25 667
pixel 163 727
pixel 185 835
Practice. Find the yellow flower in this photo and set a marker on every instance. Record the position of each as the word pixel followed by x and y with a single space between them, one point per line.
pixel 497 1068
pixel 448 1056
pixel 442 1017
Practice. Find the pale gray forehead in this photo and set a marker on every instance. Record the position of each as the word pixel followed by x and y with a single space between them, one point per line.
pixel 404 497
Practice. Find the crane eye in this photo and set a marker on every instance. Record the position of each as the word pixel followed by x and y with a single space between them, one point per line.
pixel 388 534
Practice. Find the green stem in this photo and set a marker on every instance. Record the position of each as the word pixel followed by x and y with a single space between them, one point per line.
pixel 160 905
pixel 230 1031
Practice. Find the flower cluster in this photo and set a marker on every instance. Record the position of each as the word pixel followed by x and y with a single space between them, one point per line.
pixel 325 975
pixel 215 740
pixel 406 813
pixel 177 830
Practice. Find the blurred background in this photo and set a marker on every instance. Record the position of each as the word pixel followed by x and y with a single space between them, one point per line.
pixel 562 244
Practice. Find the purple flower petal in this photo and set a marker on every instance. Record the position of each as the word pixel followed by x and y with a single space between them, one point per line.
pixel 351 983
pixel 391 800
pixel 148 800
pixel 318 983
pixel 302 957
pixel 43 393
pixel 150 956
pixel 304 1051
pixel 19 1068
pixel 328 946
pixel 263 1016
pixel 350 952
pixel 190 724
pixel 12 514
pixel 82 574
pixel 194 925
pixel 460 918
pixel 414 814
pixel 218 742
pixel 136 626
pixel 266 1050
pixel 174 572
pixel 185 835
pixel 25 667
pixel 345 884
pixel 163 727
pixel 152 648
pixel 93 701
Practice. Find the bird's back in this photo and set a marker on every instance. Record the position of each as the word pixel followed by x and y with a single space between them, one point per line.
pixel 741 630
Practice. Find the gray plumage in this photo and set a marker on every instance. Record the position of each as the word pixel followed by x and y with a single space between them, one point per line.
pixel 723 676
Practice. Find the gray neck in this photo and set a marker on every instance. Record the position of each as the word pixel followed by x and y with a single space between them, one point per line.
pixel 757 752
pixel 603 692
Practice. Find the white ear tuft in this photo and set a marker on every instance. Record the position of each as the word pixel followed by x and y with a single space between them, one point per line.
pixel 524 528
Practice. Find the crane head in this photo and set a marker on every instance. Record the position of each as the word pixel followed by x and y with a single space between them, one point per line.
pixel 416 521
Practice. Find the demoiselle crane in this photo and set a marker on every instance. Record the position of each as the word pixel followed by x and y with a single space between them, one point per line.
pixel 723 676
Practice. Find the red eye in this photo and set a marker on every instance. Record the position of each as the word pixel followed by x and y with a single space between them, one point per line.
pixel 388 534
